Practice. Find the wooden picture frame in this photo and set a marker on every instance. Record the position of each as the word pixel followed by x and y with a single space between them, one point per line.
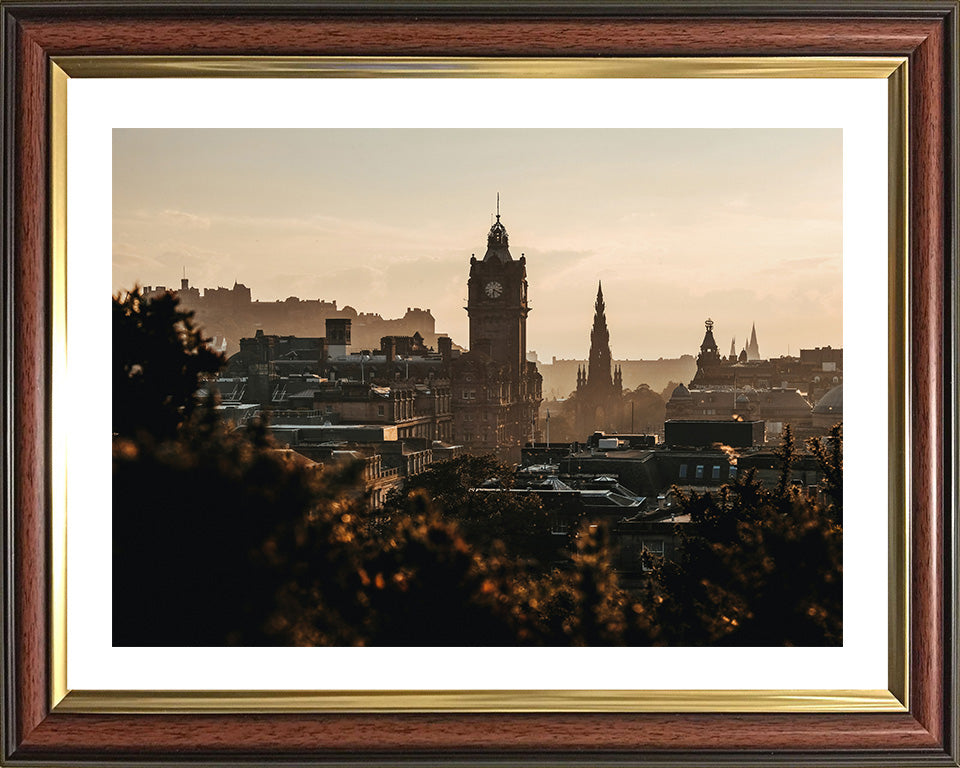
pixel 36 33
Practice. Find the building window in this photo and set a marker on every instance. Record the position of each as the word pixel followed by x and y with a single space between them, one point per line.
pixel 683 471
pixel 732 474
pixel 381 410
pixel 716 472
pixel 699 472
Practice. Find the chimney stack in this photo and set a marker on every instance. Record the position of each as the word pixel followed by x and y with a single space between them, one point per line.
pixel 445 347
pixel 388 345
pixel 338 335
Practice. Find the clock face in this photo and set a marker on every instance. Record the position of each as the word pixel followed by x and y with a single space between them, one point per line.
pixel 493 290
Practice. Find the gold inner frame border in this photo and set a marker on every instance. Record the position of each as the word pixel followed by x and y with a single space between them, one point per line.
pixel 894 699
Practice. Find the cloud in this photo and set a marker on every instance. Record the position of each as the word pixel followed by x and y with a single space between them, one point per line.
pixel 183 220
pixel 127 259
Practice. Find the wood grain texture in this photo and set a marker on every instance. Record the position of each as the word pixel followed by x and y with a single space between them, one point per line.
pixel 297 735
pixel 30 402
pixel 862 738
pixel 927 310
pixel 466 37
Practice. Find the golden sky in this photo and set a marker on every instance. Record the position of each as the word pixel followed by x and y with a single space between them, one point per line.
pixel 741 226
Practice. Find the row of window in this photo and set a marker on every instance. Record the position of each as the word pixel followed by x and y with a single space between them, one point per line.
pixel 714 473
pixel 500 392
pixel 468 435
pixel 484 416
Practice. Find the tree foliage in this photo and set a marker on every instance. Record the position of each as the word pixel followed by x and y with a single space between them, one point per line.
pixel 764 566
pixel 475 493
pixel 220 538
pixel 829 454
pixel 643 410
pixel 159 360
pixel 667 392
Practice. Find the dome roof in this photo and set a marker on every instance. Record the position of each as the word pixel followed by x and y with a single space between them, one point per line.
pixel 831 403
pixel 681 393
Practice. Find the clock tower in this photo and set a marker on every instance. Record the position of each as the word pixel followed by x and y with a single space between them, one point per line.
pixel 497 303
pixel 496 392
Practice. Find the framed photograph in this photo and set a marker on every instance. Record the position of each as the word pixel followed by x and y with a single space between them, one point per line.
pixel 398 187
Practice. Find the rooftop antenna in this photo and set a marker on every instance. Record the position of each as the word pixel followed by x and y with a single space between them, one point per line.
pixel 498 206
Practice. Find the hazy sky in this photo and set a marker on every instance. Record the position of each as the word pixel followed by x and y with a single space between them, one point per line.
pixel 741 226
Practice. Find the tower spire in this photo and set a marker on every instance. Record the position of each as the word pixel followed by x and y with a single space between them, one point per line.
pixel 598 369
pixel 753 349
pixel 498 243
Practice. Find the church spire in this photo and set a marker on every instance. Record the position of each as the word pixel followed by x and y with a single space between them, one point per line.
pixel 753 349
pixel 598 370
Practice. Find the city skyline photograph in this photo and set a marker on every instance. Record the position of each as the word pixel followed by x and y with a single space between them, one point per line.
pixel 438 388
pixel 742 226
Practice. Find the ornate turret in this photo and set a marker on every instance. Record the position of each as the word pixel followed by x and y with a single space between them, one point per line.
pixel 708 347
pixel 498 241
pixel 733 349
pixel 618 379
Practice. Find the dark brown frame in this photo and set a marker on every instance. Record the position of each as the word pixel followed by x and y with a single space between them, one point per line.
pixel 925 32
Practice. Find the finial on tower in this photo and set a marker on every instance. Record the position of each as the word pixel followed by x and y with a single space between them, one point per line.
pixel 498 206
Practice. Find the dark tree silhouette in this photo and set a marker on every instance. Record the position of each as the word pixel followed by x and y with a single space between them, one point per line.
pixel 220 538
pixel 159 359
pixel 474 492
pixel 204 531
pixel 648 409
pixel 764 567
pixel 829 453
